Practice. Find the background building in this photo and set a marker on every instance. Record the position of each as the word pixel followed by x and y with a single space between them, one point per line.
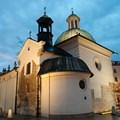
pixel 116 85
pixel 116 70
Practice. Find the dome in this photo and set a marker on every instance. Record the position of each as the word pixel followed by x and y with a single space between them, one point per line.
pixel 61 64
pixel 73 32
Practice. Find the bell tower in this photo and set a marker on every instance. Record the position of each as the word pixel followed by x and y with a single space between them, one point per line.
pixel 73 21
pixel 45 29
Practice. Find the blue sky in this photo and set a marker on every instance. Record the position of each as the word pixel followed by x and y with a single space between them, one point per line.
pixel 17 17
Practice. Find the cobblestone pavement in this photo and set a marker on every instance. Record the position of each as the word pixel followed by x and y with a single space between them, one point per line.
pixel 95 117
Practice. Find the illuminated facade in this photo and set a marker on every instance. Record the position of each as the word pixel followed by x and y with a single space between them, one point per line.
pixel 7 90
pixel 81 44
pixel 71 77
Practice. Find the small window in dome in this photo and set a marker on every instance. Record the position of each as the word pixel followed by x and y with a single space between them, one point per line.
pixel 72 25
pixel 76 24
pixel 28 69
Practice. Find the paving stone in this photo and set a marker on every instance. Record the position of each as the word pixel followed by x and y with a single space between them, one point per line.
pixel 95 117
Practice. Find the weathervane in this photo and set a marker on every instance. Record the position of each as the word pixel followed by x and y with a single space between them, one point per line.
pixel 45 11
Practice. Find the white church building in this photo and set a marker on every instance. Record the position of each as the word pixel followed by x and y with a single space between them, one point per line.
pixel 71 77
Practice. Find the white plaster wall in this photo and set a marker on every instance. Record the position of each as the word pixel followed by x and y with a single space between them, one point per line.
pixel 102 77
pixel 7 94
pixel 71 47
pixel 25 56
pixel 2 95
pixel 64 94
pixel 45 96
pixel 88 55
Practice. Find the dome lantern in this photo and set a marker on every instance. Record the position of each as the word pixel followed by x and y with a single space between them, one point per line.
pixel 45 29
pixel 73 21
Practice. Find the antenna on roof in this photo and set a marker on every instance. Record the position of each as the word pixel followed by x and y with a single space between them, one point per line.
pixel 45 11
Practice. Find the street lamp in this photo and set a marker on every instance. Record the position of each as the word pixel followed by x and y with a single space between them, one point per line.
pixel 16 69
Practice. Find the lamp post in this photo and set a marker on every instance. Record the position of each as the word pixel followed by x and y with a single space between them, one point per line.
pixel 40 52
pixel 16 69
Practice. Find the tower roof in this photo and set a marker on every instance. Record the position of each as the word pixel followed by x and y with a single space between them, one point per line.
pixel 45 19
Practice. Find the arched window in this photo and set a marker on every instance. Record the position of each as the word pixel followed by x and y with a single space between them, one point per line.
pixel 72 25
pixel 76 25
pixel 28 70
pixel 44 29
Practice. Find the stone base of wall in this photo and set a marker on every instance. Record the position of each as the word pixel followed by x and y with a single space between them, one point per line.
pixel 106 101
pixel 73 116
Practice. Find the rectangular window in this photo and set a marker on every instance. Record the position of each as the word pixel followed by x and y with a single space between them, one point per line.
pixel 28 68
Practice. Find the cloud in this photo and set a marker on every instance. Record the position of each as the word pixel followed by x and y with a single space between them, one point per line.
pixel 106 30
pixel 6 59
pixel 4 56
pixel 108 23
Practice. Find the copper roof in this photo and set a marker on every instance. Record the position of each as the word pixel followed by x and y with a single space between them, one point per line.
pixel 61 64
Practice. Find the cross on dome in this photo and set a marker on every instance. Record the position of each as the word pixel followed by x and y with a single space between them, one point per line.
pixel 72 11
pixel 44 11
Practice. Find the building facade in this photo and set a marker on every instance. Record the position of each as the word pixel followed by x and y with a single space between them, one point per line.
pixel 81 44
pixel 71 77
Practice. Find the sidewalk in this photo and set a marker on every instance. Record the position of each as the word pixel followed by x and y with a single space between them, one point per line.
pixel 95 117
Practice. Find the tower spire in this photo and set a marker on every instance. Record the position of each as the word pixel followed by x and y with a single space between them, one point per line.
pixel 44 11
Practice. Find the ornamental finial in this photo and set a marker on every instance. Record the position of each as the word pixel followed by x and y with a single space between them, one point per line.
pixel 45 11
pixel 72 11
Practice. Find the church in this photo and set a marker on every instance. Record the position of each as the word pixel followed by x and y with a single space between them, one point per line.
pixel 72 77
